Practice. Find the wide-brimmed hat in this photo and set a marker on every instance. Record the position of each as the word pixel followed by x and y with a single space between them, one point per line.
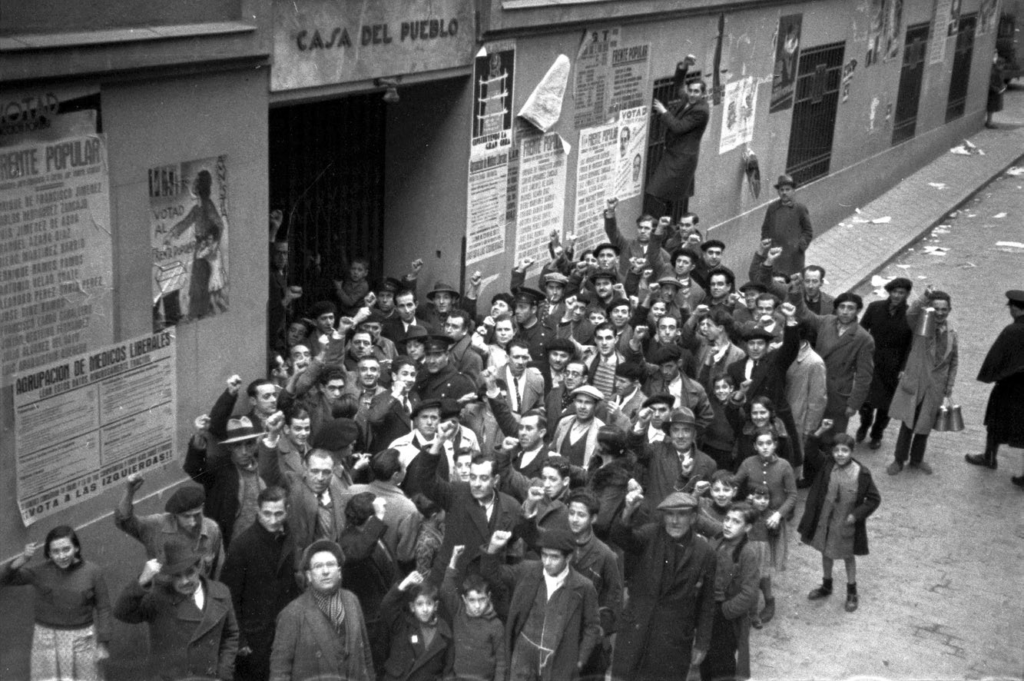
pixel 179 557
pixel 604 273
pixel 681 416
pixel 240 430
pixel 785 180
pixel 441 287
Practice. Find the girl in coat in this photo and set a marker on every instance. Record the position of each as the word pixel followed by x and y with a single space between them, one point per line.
pixel 72 608
pixel 840 500
pixel 748 422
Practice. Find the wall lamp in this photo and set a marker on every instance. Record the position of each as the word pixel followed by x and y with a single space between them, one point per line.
pixel 391 88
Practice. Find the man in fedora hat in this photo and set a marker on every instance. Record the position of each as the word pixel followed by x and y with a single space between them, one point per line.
pixel 553 622
pixel 673 464
pixel 684 122
pixel 788 224
pixel 886 321
pixel 1004 366
pixel 193 632
pixel 322 633
pixel 232 482
pixel 666 626
pixel 182 519
pixel 576 435
pixel 442 299
pixel 440 379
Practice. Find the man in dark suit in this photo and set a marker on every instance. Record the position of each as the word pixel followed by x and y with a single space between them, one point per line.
pixel 886 321
pixel 390 414
pixel 673 179
pixel 553 622
pixel 474 509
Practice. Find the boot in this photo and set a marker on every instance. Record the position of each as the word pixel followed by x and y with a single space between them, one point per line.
pixel 851 597
pixel 769 611
pixel 987 459
pixel 823 591
pixel 862 433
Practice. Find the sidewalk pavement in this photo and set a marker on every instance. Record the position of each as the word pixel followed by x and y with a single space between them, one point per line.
pixel 854 249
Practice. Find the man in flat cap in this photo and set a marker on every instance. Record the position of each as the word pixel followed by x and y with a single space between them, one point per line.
pixel 384 291
pixel 788 224
pixel 1004 366
pixel 666 626
pixel 886 321
pixel 531 328
pixel 576 435
pixel 182 519
pixel 322 634
pixel 553 622
pixel 646 244
pixel 439 379
pixel 848 350
pixel 193 632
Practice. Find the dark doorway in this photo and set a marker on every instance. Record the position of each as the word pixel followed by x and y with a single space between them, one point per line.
pixel 960 79
pixel 327 177
pixel 911 75
pixel 814 112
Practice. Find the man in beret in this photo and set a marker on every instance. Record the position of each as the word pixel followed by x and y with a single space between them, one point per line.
pixel 788 224
pixel 182 519
pixel 553 623
pixel 576 435
pixel 712 251
pixel 661 406
pixel 666 626
pixel 314 497
pixel 557 353
pixel 646 245
pixel 193 632
pixel 1004 366
pixel 440 379
pixel 886 321
pixel 531 328
pixel 848 350
pixel 322 634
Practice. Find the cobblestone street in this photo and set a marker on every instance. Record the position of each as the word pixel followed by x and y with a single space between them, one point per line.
pixel 940 593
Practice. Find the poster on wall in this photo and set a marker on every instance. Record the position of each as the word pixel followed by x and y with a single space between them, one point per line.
pixel 188 206
pixel 892 31
pixel 738 114
pixel 590 81
pixel 45 113
pixel 632 152
pixel 630 77
pixel 987 15
pixel 491 147
pixel 937 46
pixel 596 165
pixel 787 60
pixel 56 252
pixel 542 173
pixel 954 18
pixel 86 422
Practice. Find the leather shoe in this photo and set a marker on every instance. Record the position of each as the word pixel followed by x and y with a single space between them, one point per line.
pixel 894 468
pixel 803 483
pixel 819 593
pixel 851 602
pixel 980 460
pixel 862 433
pixel 1018 480
pixel 875 443
pixel 768 612
pixel 922 466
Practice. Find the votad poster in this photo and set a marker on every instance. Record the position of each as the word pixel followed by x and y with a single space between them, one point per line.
pixel 188 204
pixel 787 60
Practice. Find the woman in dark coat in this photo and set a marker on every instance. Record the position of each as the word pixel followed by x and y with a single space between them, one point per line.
pixel 840 500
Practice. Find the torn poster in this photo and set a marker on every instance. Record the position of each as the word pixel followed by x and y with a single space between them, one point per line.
pixel 544 105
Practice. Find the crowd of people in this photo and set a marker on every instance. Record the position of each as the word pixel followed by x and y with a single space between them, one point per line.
pixel 595 479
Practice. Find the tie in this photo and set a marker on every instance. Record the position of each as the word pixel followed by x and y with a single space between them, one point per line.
pixel 324 518
pixel 940 343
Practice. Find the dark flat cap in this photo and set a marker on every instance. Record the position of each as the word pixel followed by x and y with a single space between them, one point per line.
pixel 607 244
pixel 1015 296
pixel 185 498
pixel 604 273
pixel 712 243
pixel 559 540
pixel 335 434
pixel 426 404
pixel 756 332
pixel 900 282
pixel 666 353
pixel 630 371
pixel 678 501
pixel 662 398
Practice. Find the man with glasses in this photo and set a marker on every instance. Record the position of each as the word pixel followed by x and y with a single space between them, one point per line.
pixel 322 633
pixel 684 122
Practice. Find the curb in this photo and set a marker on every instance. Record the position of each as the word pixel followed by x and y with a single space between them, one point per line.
pixel 932 225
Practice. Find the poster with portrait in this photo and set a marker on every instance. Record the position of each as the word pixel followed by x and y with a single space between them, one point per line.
pixel 787 60
pixel 188 205
pixel 738 117
pixel 632 152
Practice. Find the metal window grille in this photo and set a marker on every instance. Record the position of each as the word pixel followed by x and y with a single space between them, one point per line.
pixel 915 53
pixel 961 77
pixel 327 176
pixel 814 112
pixel 664 92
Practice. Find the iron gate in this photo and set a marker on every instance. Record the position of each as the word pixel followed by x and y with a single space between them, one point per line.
pixel 814 112
pixel 327 176
pixel 961 77
pixel 911 75
pixel 664 92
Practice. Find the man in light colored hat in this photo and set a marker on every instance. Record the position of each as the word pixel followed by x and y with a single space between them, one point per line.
pixel 788 224
pixel 671 590
pixel 182 519
pixel 576 435
pixel 232 482
pixel 553 622
pixel 193 632
pixel 675 463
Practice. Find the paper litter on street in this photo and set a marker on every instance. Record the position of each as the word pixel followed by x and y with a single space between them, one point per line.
pixel 937 185
pixel 936 250
pixel 999 216
pixel 882 221
pixel 1015 171
pixel 1010 244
